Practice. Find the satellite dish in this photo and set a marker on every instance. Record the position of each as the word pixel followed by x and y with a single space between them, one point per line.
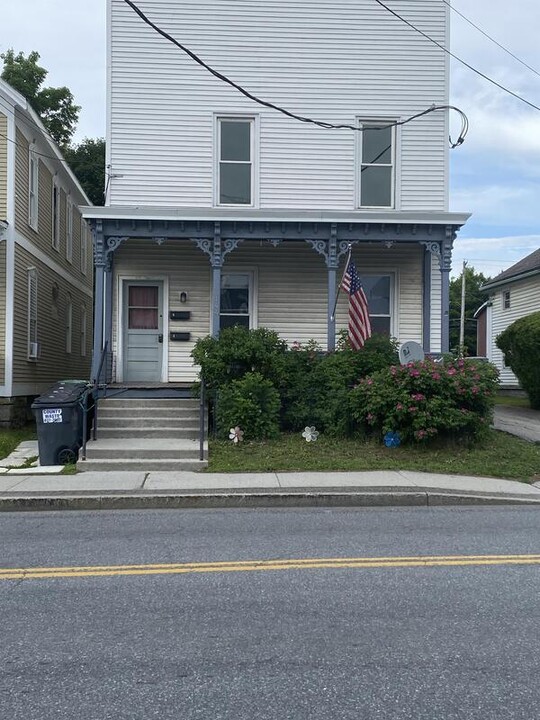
pixel 411 352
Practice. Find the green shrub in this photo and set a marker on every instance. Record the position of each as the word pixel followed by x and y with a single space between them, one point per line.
pixel 425 399
pixel 253 404
pixel 520 343
pixel 317 384
pixel 238 351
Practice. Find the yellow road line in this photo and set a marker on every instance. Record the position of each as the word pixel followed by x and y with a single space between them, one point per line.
pixel 36 573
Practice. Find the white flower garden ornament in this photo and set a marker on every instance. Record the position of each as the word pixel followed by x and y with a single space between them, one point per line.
pixel 236 435
pixel 310 434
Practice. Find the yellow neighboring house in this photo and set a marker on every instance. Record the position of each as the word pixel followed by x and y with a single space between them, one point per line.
pixel 45 263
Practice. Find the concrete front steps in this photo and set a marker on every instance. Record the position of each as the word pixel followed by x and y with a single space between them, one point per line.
pixel 145 434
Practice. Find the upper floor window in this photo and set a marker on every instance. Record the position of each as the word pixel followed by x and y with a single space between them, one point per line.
pixel 84 246
pixel 506 300
pixel 377 161
pixel 33 184
pixel 69 229
pixel 235 155
pixel 55 215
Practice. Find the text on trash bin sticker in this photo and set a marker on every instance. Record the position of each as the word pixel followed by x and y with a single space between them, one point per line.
pixel 52 416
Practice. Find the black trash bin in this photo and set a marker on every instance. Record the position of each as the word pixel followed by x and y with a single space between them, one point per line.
pixel 59 419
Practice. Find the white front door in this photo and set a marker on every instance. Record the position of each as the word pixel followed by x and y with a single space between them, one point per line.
pixel 143 331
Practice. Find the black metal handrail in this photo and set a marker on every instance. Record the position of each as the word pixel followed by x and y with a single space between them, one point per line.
pixel 96 383
pixel 202 416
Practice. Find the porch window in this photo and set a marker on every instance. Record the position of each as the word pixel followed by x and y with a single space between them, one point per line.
pixel 377 153
pixel 378 289
pixel 143 307
pixel 33 184
pixel 235 161
pixel 235 300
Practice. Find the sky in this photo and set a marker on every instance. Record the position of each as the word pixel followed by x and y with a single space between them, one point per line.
pixel 495 174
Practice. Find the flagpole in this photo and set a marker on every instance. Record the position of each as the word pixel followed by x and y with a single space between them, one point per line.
pixel 341 283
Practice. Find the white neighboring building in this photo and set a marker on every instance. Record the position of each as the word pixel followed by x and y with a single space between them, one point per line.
pixel 221 211
pixel 513 294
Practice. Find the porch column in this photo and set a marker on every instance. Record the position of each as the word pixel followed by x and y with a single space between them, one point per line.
pixel 426 305
pixel 99 284
pixel 332 262
pixel 446 264
pixel 109 313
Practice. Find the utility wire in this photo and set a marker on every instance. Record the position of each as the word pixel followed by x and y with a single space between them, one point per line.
pixel 509 52
pixel 288 113
pixel 449 52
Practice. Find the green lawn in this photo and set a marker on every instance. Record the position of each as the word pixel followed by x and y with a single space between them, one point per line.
pixel 501 455
pixel 9 439
pixel 512 400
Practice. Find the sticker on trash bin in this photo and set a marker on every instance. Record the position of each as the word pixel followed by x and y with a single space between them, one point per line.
pixel 52 416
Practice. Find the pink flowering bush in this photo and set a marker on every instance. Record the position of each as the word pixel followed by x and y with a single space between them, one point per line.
pixel 424 400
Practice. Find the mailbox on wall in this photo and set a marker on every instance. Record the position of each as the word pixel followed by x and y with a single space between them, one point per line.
pixel 179 315
pixel 180 336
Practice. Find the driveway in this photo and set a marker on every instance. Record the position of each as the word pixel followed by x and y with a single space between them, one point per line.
pixel 523 422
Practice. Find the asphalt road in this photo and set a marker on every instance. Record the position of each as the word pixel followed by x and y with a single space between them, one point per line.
pixel 434 642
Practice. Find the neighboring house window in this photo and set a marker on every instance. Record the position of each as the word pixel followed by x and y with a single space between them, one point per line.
pixel 83 330
pixel 235 161
pixel 55 215
pixel 378 289
pixel 69 229
pixel 236 300
pixel 84 247
pixel 33 185
pixel 69 323
pixel 506 300
pixel 32 314
pixel 377 153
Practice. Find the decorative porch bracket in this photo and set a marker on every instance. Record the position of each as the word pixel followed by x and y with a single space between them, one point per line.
pixel 216 249
pixel 332 250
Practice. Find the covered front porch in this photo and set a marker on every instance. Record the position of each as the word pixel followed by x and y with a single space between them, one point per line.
pixel 165 277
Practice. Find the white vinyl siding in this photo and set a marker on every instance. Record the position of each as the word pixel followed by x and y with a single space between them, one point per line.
pixel 326 60
pixel 32 313
pixel 33 188
pixel 525 299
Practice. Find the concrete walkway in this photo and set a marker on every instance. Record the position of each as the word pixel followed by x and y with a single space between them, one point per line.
pixel 519 421
pixel 191 489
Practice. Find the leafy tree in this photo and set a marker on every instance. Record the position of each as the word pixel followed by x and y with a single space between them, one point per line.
pixel 87 160
pixel 55 106
pixel 474 297
pixel 520 343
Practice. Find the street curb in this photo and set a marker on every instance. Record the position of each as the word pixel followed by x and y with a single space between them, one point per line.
pixel 239 500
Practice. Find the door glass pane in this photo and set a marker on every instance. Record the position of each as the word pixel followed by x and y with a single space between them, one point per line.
pixel 235 183
pixel 376 145
pixel 376 186
pixel 235 140
pixel 377 289
pixel 143 307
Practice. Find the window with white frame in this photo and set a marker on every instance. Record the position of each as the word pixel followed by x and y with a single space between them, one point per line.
pixel 377 160
pixel 236 300
pixel 32 281
pixel 84 246
pixel 235 161
pixel 55 201
pixel 69 229
pixel 506 300
pixel 378 290
pixel 69 323
pixel 33 185
pixel 84 320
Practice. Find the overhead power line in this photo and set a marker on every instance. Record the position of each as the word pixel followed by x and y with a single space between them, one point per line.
pixel 272 106
pixel 489 37
pixel 456 57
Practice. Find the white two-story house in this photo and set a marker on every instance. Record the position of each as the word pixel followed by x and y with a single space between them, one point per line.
pixel 221 210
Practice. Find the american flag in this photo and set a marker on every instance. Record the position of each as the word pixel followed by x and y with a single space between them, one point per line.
pixel 359 323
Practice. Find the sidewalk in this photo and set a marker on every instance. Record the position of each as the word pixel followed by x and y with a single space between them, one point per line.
pixel 132 490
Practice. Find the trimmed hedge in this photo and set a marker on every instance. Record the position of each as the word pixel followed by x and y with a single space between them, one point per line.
pixel 520 343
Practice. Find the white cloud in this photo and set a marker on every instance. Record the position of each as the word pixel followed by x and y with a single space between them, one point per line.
pixel 492 255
